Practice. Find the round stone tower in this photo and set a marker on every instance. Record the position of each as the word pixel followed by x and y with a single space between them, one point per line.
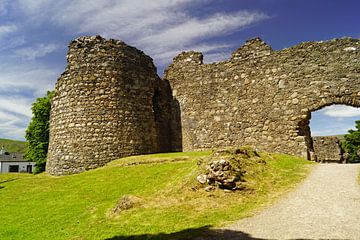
pixel 104 106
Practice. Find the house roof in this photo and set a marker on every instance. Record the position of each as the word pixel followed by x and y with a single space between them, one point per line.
pixel 12 157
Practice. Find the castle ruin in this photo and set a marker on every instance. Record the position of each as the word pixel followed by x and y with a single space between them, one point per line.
pixel 110 102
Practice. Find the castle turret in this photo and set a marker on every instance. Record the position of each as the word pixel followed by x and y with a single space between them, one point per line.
pixel 107 105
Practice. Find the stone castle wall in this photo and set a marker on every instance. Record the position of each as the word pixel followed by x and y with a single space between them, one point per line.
pixel 263 98
pixel 328 149
pixel 109 103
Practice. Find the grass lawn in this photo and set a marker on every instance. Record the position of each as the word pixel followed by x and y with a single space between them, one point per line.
pixel 78 206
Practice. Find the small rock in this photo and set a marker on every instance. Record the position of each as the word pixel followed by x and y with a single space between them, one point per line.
pixel 209 188
pixel 202 178
pixel 222 161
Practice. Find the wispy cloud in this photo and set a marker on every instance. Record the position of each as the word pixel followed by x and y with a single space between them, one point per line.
pixel 157 27
pixel 3 7
pixel 12 43
pixel 31 78
pixel 341 111
pixel 37 51
pixel 16 105
pixel 21 82
pixel 15 113
pixel 161 28
pixel 193 29
pixel 7 29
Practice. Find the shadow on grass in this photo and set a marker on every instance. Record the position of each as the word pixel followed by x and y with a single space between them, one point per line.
pixel 9 180
pixel 202 233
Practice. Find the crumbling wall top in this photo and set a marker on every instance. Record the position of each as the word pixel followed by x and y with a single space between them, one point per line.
pixel 190 57
pixel 88 49
pixel 252 48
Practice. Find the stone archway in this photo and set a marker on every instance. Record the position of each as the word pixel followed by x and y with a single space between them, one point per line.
pixel 304 124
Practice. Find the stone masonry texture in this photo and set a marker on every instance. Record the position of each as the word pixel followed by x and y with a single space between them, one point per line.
pixel 110 102
pixel 328 149
pixel 261 97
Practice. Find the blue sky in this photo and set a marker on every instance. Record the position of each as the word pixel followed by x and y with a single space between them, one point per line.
pixel 34 35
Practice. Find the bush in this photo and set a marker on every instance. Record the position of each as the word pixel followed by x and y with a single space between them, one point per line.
pixel 37 133
pixel 351 143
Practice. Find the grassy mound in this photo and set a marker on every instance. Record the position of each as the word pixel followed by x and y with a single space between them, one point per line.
pixel 230 169
pixel 141 197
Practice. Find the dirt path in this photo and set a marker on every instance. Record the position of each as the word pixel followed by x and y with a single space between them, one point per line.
pixel 325 206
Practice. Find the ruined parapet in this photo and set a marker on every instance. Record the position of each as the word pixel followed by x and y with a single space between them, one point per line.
pixel 261 97
pixel 108 103
pixel 328 149
pixel 252 48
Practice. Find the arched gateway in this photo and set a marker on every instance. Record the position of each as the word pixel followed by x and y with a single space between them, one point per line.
pixel 110 102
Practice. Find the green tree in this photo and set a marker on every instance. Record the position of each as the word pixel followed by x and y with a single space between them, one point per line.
pixel 351 143
pixel 37 133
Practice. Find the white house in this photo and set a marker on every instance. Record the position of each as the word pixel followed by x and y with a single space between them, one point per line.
pixel 13 162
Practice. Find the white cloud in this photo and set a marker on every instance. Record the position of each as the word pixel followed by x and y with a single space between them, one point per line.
pixel 333 120
pixel 7 29
pixel 12 43
pixel 16 105
pixel 34 6
pixel 4 116
pixel 37 51
pixel 161 28
pixel 33 79
pixel 20 85
pixel 158 27
pixel 15 115
pixel 341 111
pixel 12 132
pixel 3 7
pixel 193 29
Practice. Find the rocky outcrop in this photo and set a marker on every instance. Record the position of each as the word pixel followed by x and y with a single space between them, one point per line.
pixel 225 168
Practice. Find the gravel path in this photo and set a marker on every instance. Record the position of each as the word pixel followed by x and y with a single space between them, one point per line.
pixel 325 206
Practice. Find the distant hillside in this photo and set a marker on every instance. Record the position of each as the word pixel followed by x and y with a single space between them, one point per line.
pixel 341 137
pixel 13 146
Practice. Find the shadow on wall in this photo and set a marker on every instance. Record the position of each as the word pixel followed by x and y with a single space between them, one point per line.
pixel 202 233
pixel 167 119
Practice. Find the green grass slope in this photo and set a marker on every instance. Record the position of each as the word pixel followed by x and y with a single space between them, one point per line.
pixel 13 146
pixel 78 206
